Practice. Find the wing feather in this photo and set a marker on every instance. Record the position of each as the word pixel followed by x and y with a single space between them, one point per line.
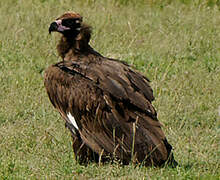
pixel 118 79
pixel 106 98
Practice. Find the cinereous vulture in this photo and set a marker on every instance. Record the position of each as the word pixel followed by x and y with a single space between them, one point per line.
pixel 105 103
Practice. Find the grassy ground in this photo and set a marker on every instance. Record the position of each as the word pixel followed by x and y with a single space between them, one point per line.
pixel 175 44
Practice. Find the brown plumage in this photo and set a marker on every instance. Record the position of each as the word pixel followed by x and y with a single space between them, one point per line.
pixel 105 104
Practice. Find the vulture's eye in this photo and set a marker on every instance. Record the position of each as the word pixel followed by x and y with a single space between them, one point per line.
pixel 68 22
pixel 73 23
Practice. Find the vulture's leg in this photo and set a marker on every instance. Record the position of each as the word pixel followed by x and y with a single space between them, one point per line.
pixel 83 153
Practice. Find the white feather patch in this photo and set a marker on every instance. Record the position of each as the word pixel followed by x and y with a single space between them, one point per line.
pixel 72 120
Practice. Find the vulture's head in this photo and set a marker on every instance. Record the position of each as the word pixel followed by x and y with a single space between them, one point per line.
pixel 69 24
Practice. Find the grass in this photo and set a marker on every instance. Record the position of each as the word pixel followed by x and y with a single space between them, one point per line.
pixel 176 44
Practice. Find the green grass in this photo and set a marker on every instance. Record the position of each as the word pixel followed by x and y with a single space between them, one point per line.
pixel 176 44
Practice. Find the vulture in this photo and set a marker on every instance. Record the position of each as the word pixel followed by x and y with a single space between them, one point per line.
pixel 106 105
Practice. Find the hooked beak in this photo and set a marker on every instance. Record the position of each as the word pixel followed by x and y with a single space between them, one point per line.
pixel 53 27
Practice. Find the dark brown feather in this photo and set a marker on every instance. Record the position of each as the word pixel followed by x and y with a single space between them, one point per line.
pixel 109 101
